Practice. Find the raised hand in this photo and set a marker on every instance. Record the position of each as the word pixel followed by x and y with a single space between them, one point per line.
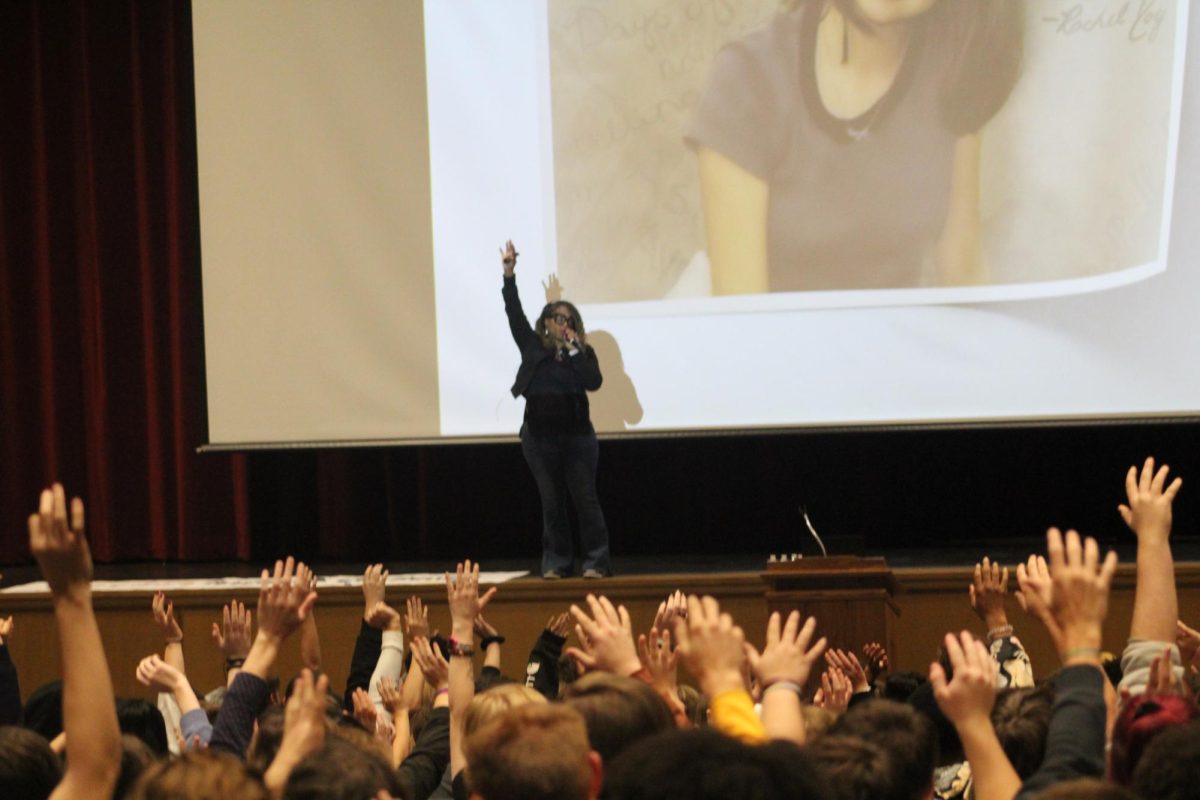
pixel 383 617
pixel 987 593
pixel 391 695
pixel 876 658
pixel 1162 675
pixel 508 257
pixel 1187 638
pixel 669 610
pixel 560 624
pixel 304 727
pixel 157 674
pixel 282 602
pixel 61 549
pixel 970 695
pixel 429 660
pixel 1036 589
pixel 1148 512
pixel 552 287
pixel 164 616
pixel 787 656
pixel 234 634
pixel 606 637
pixel 364 709
pixel 484 629
pixel 374 587
pixel 416 618
pixel 711 646
pixel 7 626
pixel 659 660
pixel 1079 595
pixel 462 595
pixel 848 665
pixel 835 691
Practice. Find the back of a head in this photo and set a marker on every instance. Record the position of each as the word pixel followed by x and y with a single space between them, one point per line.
pixel 899 686
pixel 706 765
pixel 341 770
pixel 900 731
pixel 1021 718
pixel 856 768
pixel 268 735
pixel 199 775
pixel 949 746
pixel 488 705
pixel 136 758
pixel 29 769
pixel 1169 768
pixel 536 751
pixel 1141 719
pixel 618 711
pixel 142 719
pixel 42 712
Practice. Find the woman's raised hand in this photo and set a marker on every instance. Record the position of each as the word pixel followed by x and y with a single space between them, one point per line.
pixel 508 257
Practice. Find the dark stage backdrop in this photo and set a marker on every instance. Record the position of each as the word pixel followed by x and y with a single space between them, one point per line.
pixel 101 378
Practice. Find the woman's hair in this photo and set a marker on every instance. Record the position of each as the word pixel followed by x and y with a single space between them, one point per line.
pixel 1021 718
pixel 28 767
pixel 1141 719
pixel 618 711
pixel 548 310
pixel 199 775
pixel 985 42
pixel 486 706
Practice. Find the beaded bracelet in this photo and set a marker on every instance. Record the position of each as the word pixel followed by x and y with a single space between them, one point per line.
pixel 999 632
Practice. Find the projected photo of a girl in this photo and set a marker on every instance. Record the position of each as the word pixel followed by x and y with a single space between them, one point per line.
pixel 839 147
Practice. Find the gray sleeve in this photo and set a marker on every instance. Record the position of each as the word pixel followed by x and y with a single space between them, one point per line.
pixel 739 114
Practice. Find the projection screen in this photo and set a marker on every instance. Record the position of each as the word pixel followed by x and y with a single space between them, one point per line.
pixel 361 163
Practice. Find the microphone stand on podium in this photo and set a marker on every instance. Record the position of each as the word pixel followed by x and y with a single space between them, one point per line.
pixel 851 596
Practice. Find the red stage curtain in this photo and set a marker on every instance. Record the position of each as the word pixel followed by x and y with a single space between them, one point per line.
pixel 101 370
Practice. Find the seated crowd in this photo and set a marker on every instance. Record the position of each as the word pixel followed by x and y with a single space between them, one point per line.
pixel 608 717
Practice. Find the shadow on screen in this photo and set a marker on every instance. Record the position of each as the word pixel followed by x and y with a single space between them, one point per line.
pixel 615 406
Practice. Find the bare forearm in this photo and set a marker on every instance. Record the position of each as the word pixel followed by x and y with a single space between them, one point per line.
pixel 782 715
pixel 402 743
pixel 173 655
pixel 1155 604
pixel 310 644
pixel 89 706
pixel 262 655
pixel 462 691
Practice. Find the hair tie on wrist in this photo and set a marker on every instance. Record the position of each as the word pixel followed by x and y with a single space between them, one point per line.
pixel 1000 631
pixel 487 640
pixel 440 692
pixel 791 686
pixel 234 663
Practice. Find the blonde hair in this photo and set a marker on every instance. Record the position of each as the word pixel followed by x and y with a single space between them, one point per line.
pixel 486 706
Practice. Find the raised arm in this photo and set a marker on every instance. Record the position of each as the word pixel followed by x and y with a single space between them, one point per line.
pixel 310 639
pixel 713 650
pixel 1078 604
pixel 967 702
pixel 391 654
pixel 783 669
pixel 164 617
pixel 370 639
pixel 233 636
pixel 462 594
pixel 518 324
pixel 1148 515
pixel 89 706
pixel 282 606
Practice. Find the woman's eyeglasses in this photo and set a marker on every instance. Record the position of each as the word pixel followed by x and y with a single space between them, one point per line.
pixel 561 319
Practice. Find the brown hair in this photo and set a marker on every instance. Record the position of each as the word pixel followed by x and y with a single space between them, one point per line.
pixel 618 711
pixel 199 775
pixel 538 751
pixel 548 310
pixel 486 706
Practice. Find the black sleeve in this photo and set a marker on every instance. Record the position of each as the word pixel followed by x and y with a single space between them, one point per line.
pixel 422 770
pixel 588 366
pixel 248 695
pixel 367 648
pixel 522 331
pixel 1075 738
pixel 10 689
pixel 541 672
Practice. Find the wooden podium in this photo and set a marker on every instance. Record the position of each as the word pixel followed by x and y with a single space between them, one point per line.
pixel 851 597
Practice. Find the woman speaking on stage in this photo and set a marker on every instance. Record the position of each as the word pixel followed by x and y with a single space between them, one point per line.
pixel 558 368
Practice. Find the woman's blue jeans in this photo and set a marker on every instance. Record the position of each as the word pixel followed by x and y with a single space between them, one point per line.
pixel 563 463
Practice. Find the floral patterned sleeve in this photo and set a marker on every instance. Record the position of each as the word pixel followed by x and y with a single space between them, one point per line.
pixel 1016 672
